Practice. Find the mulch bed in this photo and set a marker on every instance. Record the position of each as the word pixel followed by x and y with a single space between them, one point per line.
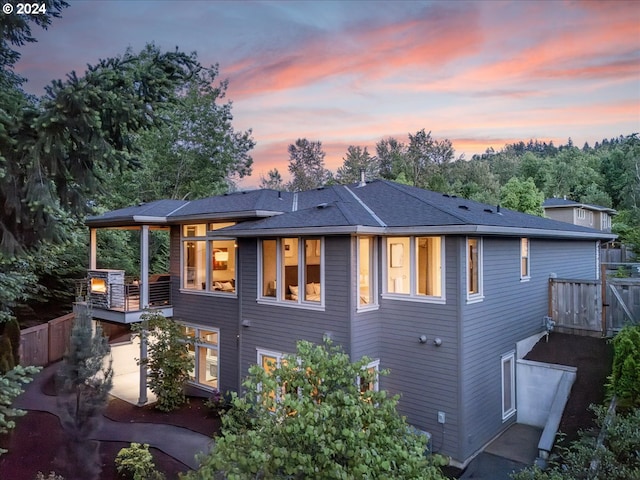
pixel 593 357
pixel 34 444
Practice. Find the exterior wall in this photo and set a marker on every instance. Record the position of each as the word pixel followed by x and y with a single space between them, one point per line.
pixel 560 214
pixel 278 327
pixel 207 310
pixel 425 375
pixel 511 311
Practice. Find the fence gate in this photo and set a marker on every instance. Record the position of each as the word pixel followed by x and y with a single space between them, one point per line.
pixel 621 295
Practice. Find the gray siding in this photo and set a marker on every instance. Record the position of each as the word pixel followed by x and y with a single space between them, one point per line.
pixel 278 327
pixel 511 311
pixel 207 310
pixel 425 375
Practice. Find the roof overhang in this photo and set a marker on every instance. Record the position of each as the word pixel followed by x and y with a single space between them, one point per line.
pixel 207 217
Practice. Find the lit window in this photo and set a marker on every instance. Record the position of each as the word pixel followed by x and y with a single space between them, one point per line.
pixel 474 268
pixel 508 385
pixel 366 272
pixel 204 351
pixel 369 383
pixel 415 267
pixel 223 266
pixel 292 270
pixel 524 258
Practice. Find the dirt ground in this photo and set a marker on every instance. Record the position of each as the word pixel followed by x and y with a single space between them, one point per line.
pixel 593 357
pixel 34 444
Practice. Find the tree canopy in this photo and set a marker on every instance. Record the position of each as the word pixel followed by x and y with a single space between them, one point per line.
pixel 308 416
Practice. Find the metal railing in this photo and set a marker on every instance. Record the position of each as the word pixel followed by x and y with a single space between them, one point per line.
pixel 124 298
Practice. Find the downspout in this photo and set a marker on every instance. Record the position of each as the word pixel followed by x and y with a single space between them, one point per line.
pixel 239 286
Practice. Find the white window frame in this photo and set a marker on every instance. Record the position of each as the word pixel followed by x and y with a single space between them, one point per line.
pixel 413 283
pixel 525 275
pixel 208 260
pixel 479 295
pixel 373 274
pixel 197 343
pixel 508 357
pixel 278 300
pixel 582 214
pixel 375 365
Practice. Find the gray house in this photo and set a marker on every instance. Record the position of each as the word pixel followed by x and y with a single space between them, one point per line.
pixel 438 289
pixel 585 214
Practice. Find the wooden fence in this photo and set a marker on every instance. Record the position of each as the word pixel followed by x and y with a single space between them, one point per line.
pixel 576 305
pixel 46 343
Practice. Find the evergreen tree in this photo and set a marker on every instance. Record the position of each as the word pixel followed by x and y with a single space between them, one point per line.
pixel 306 165
pixel 11 383
pixel 273 180
pixel 357 160
pixel 83 383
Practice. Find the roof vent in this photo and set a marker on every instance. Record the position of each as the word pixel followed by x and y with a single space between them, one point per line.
pixel 322 205
pixel 445 195
pixel 363 180
pixel 454 196
pixel 488 210
pixel 320 188
pixel 463 207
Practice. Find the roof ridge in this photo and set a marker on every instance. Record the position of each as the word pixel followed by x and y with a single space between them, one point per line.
pixel 397 186
pixel 367 208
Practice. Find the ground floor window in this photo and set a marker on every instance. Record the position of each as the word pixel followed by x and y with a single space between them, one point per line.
pixel 508 385
pixel 370 383
pixel 205 351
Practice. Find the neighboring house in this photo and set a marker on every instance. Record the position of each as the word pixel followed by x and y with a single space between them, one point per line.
pixel 435 288
pixel 592 216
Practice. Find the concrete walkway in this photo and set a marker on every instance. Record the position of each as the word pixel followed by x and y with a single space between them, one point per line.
pixel 514 450
pixel 180 443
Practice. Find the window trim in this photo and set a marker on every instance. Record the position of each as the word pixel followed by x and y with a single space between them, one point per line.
pixel 510 356
pixel 375 365
pixel 209 227
pixel 373 274
pixel 413 296
pixel 277 300
pixel 197 343
pixel 479 295
pixel 525 276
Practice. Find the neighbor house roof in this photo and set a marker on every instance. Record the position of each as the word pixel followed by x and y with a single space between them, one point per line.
pixel 564 203
pixel 377 207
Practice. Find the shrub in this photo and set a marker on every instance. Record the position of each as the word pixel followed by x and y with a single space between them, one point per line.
pixel 169 361
pixel 217 402
pixel 51 476
pixel 624 381
pixel 136 463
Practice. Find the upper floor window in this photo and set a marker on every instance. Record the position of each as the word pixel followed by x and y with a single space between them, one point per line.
pixel 524 258
pixel 208 265
pixel 582 214
pixel 292 270
pixel 415 267
pixel 366 272
pixel 474 268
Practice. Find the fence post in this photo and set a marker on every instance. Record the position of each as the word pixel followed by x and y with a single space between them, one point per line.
pixel 603 300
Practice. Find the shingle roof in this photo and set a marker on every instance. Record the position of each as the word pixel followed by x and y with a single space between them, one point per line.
pixel 378 206
pixel 563 202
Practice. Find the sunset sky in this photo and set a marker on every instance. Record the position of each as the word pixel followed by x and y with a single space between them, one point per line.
pixel 480 73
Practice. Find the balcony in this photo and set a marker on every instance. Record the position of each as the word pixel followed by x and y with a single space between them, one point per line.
pixel 116 298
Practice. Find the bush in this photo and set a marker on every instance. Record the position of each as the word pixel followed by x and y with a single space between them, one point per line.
pixel 217 402
pixel 51 476
pixel 136 463
pixel 624 381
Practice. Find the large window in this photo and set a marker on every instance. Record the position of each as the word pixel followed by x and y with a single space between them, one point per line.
pixel 208 265
pixel 205 351
pixel 508 385
pixel 524 259
pixel 292 270
pixel 366 272
pixel 474 268
pixel 415 267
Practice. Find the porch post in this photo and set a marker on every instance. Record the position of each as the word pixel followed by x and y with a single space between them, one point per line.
pixel 144 267
pixel 93 248
pixel 142 398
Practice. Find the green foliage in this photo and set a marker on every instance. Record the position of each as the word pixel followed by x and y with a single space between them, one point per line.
pixel 51 476
pixel 12 332
pixel 83 384
pixel 306 165
pixel 169 362
pixel 136 463
pixel 624 381
pixel 627 226
pixel 523 196
pixel 357 160
pixel 617 459
pixel 307 418
pixel 273 180
pixel 11 384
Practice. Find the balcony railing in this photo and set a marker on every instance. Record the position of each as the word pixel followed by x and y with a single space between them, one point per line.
pixel 124 298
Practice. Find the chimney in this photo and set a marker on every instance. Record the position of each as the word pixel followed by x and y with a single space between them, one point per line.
pixel 363 182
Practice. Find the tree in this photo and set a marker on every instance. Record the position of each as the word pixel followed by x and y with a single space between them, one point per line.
pixel 10 387
pixel 306 165
pixel 357 160
pixel 169 362
pixel 523 196
pixel 308 417
pixel 424 156
pixel 194 153
pixel 390 154
pixel 273 180
pixel 83 384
